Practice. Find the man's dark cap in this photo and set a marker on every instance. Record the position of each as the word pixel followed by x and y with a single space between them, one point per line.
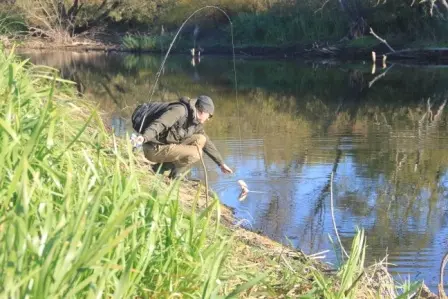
pixel 205 104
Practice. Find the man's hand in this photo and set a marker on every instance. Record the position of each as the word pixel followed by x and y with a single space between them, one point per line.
pixel 136 141
pixel 226 169
pixel 140 140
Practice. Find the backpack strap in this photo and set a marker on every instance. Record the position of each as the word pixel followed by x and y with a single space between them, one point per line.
pixel 189 106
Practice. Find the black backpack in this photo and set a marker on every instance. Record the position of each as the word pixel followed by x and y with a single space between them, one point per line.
pixel 145 113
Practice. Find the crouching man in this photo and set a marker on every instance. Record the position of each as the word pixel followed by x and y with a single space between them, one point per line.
pixel 174 132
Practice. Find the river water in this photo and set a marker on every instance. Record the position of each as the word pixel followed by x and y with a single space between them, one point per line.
pixel 285 126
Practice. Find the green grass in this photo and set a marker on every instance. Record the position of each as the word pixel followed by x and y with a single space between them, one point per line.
pixel 140 43
pixel 343 285
pixel 11 24
pixel 363 42
pixel 349 281
pixel 153 43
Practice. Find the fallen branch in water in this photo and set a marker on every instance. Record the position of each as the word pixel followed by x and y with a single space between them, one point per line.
pixel 379 76
pixel 381 39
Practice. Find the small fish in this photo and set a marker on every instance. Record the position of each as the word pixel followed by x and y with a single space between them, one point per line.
pixel 244 190
pixel 243 186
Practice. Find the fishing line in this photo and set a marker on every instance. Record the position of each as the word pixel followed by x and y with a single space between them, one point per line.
pixel 175 37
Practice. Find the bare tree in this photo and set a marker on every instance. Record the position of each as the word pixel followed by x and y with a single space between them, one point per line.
pixel 60 20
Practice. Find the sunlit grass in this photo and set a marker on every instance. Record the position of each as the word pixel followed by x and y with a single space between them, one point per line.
pixel 351 278
pixel 343 285
pixel 152 43
pixel 140 42
pixel 10 24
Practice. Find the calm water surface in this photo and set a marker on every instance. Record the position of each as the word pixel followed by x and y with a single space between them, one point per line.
pixel 288 126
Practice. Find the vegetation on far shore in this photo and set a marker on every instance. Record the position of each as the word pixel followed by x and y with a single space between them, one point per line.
pixel 259 27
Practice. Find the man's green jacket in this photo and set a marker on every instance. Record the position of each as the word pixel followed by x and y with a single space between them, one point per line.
pixel 178 123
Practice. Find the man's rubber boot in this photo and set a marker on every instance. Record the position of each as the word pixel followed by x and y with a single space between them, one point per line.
pixel 161 168
pixel 177 172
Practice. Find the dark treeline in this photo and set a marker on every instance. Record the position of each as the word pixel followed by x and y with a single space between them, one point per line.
pixel 150 24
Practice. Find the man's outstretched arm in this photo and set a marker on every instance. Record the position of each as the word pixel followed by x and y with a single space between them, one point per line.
pixel 211 151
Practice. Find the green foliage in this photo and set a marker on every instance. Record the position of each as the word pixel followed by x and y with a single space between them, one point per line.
pixel 364 42
pixel 344 284
pixel 302 26
pixel 140 43
pixel 408 289
pixel 10 22
pixel 347 282
pixel 148 43
pixel 146 11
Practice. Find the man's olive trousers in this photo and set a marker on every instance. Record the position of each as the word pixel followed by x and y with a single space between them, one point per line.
pixel 181 155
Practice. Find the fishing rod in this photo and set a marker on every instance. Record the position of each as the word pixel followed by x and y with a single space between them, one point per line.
pixel 138 141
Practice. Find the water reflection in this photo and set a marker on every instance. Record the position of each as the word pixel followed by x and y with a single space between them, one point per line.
pixel 289 126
